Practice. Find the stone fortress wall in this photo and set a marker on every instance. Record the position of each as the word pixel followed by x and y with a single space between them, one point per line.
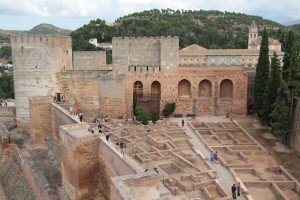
pixel 43 67
pixel 89 60
pixel 145 54
pixel 37 59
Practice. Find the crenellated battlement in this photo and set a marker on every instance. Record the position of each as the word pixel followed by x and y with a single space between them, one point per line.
pixel 46 39
pixel 121 41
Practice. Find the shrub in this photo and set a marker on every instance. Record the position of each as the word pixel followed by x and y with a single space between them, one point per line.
pixel 169 109
pixel 154 117
pixel 120 117
pixel 142 115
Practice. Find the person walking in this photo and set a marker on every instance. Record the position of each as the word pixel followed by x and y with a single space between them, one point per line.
pixel 80 116
pixel 212 156
pixel 182 123
pixel 107 134
pixel 122 147
pixel 238 189
pixel 216 157
pixel 233 190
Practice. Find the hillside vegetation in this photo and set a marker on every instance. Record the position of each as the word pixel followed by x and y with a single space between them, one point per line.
pixel 210 29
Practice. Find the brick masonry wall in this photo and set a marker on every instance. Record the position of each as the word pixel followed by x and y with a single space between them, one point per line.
pixel 40 118
pixel 213 105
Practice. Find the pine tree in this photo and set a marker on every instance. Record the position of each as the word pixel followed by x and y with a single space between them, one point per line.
pixel 288 45
pixel 281 114
pixel 270 93
pixel 262 73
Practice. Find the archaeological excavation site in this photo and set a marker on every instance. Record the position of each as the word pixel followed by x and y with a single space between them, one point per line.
pixel 71 132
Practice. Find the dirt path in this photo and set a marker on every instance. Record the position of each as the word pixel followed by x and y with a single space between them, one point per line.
pixel 284 155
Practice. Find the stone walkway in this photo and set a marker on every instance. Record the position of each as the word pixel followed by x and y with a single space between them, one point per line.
pixel 224 175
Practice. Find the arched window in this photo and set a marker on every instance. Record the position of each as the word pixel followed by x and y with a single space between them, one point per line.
pixel 184 88
pixel 155 89
pixel 226 89
pixel 138 89
pixel 205 89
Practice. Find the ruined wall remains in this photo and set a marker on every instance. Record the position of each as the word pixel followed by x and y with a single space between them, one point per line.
pixel 36 60
pixel 8 115
pixel 89 60
pixel 295 119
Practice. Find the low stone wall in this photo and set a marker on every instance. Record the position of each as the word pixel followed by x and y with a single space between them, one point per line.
pixel 60 117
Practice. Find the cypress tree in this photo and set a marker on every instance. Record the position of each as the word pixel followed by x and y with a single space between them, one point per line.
pixel 288 44
pixel 262 73
pixel 281 114
pixel 270 94
pixel 293 72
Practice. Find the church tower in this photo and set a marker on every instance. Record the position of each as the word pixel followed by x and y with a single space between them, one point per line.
pixel 253 35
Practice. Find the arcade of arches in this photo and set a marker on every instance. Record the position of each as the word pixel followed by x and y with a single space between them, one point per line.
pixel 206 96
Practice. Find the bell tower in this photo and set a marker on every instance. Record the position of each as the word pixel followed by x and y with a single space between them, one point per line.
pixel 253 35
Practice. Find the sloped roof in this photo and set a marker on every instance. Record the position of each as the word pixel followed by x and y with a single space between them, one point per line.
pixel 193 48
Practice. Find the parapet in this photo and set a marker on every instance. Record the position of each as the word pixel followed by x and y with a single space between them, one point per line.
pixel 119 41
pixel 46 39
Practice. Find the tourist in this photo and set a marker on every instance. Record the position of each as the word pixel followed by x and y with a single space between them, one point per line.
pixel 212 156
pixel 99 131
pixel 238 189
pixel 122 147
pixel 71 110
pixel 107 134
pixel 216 157
pixel 233 190
pixel 182 122
pixel 77 116
pixel 99 126
pixel 80 116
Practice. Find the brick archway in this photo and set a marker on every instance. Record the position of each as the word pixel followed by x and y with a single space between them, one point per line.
pixel 226 89
pixel 137 93
pixel 205 89
pixel 184 88
pixel 155 96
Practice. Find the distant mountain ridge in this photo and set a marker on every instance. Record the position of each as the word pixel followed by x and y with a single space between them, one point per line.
pixel 39 29
pixel 294 22
pixel 49 29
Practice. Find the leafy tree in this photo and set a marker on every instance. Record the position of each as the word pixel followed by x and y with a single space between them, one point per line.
pixel 270 93
pixel 288 45
pixel 142 115
pixel 154 117
pixel 280 121
pixel 262 74
pixel 5 52
pixel 6 86
pixel 168 109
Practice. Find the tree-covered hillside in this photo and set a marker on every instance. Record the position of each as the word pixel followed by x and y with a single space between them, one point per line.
pixel 210 29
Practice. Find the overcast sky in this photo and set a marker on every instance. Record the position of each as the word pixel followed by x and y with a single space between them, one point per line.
pixel 72 14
